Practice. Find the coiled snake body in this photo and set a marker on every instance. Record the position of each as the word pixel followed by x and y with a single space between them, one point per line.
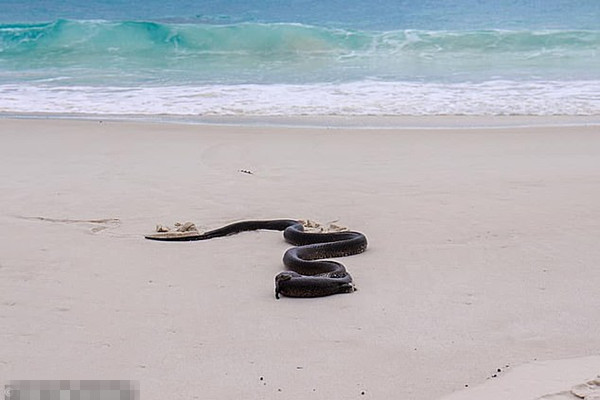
pixel 307 274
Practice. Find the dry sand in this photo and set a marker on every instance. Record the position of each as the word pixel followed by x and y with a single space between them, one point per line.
pixel 484 256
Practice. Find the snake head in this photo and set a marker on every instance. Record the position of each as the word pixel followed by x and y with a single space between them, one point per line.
pixel 282 278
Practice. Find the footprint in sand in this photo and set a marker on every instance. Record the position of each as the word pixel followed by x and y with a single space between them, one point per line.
pixel 589 390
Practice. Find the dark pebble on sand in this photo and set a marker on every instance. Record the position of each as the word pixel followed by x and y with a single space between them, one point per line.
pixel 494 376
pixel 362 393
pixel 262 378
pixel 499 370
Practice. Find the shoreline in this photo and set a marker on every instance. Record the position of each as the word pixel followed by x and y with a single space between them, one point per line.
pixel 425 122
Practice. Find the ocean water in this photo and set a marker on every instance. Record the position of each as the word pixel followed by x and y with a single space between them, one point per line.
pixel 270 58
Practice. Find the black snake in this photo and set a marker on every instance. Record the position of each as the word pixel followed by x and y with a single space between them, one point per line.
pixel 307 275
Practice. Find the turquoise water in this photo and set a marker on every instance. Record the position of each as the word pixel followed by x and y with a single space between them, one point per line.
pixel 308 58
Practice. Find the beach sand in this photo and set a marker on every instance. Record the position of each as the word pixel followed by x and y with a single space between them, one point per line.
pixel 481 280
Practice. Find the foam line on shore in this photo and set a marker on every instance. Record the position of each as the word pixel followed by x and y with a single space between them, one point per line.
pixel 339 122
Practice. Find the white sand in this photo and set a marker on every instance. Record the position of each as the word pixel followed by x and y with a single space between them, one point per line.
pixel 543 380
pixel 484 252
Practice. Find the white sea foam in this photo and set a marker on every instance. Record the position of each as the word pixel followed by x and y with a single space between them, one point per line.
pixel 351 99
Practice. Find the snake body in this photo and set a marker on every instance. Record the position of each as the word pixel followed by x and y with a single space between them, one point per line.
pixel 307 275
